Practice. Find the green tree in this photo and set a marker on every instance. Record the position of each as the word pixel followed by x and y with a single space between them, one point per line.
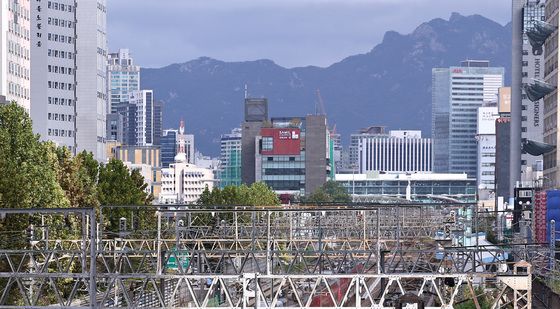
pixel 27 166
pixel 261 195
pixel 258 194
pixel 76 179
pixel 118 186
pixel 330 192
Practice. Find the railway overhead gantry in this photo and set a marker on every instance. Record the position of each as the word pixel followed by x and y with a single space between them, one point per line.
pixel 365 256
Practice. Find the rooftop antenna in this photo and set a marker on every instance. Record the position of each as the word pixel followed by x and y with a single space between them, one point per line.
pixel 246 92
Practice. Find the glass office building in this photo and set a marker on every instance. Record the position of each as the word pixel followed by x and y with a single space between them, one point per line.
pixel 457 93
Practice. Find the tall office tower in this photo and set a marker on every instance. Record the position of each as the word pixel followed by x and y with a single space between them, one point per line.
pixel 486 138
pixel 123 77
pixel 457 93
pixel 15 67
pixel 256 113
pixel 551 54
pixel 230 159
pixel 91 76
pixel 398 151
pixel 53 71
pixel 354 149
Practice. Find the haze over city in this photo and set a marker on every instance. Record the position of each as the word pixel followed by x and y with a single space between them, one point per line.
pixel 279 154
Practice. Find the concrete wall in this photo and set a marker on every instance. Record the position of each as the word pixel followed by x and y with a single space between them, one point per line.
pixel 315 152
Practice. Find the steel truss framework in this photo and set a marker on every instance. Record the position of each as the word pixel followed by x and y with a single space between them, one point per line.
pixel 363 257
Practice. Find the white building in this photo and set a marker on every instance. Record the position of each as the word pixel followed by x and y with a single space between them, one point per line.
pixel 486 137
pixel 53 72
pixel 147 171
pixel 91 75
pixel 183 183
pixel 142 103
pixel 398 151
pixel 15 67
pixel 69 88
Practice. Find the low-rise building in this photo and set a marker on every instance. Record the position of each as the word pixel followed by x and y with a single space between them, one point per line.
pixel 141 155
pixel 420 187
pixel 183 183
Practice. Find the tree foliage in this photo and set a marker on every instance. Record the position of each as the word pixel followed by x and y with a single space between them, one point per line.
pixel 330 192
pixel 76 179
pixel 258 194
pixel 118 186
pixel 28 166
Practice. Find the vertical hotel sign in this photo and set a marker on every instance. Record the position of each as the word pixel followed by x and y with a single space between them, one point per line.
pixel 38 17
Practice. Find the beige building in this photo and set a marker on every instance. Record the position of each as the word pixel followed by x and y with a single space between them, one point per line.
pixel 141 156
pixel 15 64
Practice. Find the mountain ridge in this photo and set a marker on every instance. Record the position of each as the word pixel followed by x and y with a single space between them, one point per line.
pixel 373 88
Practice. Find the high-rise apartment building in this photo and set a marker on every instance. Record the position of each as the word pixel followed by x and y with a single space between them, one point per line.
pixel 91 75
pixel 142 117
pixel 230 159
pixel 457 93
pixel 69 89
pixel 398 151
pixel 53 71
pixel 123 77
pixel 15 54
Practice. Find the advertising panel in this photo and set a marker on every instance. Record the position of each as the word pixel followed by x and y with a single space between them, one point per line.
pixel 281 141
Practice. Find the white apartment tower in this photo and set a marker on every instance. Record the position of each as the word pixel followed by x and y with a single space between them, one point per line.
pixel 142 110
pixel 15 32
pixel 69 88
pixel 53 71
pixel 91 75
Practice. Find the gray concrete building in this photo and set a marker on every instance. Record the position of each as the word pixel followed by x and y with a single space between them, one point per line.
pixel 256 113
pixel 316 152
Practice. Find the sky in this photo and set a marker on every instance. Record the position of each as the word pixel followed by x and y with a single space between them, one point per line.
pixel 292 33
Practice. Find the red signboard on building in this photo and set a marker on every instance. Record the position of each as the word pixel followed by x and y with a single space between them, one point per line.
pixel 280 141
